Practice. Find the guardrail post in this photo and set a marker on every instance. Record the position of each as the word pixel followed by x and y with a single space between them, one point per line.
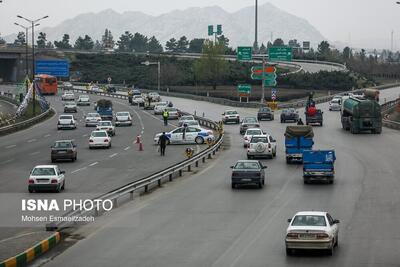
pixel 189 168
pixel 197 164
pixel 170 177
pixel 203 159
pixel 131 195
pixel 146 188
pixel 159 182
pixel 213 152
pixel 96 213
pixel 115 204
pixel 209 156
pixel 180 172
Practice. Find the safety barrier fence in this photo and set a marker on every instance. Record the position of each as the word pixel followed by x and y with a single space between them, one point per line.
pixel 388 108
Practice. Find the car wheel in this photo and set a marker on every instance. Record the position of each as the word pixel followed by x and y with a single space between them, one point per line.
pixel 306 181
pixel 288 252
pixel 58 190
pixel 199 140
pixel 233 186
pixel 53 160
pixel 63 186
pixel 260 185
pixel 263 181
pixel 274 154
pixel 337 242
pixel 330 250
pixel 331 181
pixel 288 161
pixel 30 190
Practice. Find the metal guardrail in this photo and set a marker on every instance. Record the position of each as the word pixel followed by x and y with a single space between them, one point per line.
pixel 388 108
pixel 143 184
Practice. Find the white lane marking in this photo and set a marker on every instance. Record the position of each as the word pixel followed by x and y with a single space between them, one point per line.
pixel 32 140
pixel 126 148
pixel 10 146
pixel 198 149
pixel 94 163
pixel 34 153
pixel 113 155
pixel 77 170
pixel 85 135
pixel 7 161
pixel 47 135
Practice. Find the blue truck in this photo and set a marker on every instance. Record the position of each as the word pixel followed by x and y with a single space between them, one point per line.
pixel 318 165
pixel 297 139
pixel 105 109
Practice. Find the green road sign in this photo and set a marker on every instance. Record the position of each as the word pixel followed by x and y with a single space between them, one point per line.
pixel 244 88
pixel 280 53
pixel 219 29
pixel 210 30
pixel 270 80
pixel 244 53
pixel 258 76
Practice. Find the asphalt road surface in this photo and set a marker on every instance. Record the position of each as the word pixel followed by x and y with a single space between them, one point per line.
pixel 201 221
pixel 7 108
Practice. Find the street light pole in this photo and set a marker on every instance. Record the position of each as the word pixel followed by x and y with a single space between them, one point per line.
pixel 147 63
pixel 33 22
pixel 26 47
pixel 255 46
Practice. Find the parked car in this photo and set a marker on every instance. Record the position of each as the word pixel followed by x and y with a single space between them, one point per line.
pixel 173 113
pixel 312 230
pixel 188 135
pixel 67 86
pixel 99 139
pixel 110 89
pixel 154 96
pixel 64 149
pixel 138 100
pixel 70 106
pixel 66 122
pixel 249 134
pixel 246 172
pixel 83 100
pixel 68 96
pixel 92 119
pixel 136 92
pixel 160 107
pixel 265 113
pixel 46 177
pixel 261 146
pixel 123 118
pixel 106 126
pixel 289 114
pixel 248 122
pixel 230 116
pixel 184 119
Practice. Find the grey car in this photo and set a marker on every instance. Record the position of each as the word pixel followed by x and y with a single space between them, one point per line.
pixel 289 114
pixel 70 106
pixel 248 172
pixel 247 123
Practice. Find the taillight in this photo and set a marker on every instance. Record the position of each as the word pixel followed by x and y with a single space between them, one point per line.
pixel 245 138
pixel 258 174
pixel 292 236
pixel 269 146
pixel 90 141
pixel 110 129
pixel 54 181
pixel 71 122
pixel 105 140
pixel 322 236
pixel 31 181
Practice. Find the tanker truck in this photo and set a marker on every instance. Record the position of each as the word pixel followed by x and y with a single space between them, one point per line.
pixel 361 114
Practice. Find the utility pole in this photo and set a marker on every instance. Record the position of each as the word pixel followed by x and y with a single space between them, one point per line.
pixel 255 45
pixel 391 41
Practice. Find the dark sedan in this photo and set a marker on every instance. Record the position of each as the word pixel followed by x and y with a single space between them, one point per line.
pixel 265 113
pixel 248 172
pixel 289 114
pixel 63 150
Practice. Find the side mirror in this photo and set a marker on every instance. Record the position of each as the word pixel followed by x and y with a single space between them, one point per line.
pixel 336 221
pixel 223 114
pixel 232 167
pixel 289 220
pixel 264 167
pixel 62 172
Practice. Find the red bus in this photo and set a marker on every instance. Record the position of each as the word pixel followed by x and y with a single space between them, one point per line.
pixel 47 83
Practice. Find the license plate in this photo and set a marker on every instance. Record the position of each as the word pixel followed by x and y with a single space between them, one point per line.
pixel 62 152
pixel 246 180
pixel 307 236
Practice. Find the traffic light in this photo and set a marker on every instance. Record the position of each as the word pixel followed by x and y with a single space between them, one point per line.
pixel 210 30
pixel 219 29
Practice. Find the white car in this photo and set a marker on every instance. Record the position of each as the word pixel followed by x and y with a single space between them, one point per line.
pixel 106 126
pixel 159 107
pixel 335 104
pixel 230 116
pixel 261 146
pixel 155 96
pixel 92 119
pixel 46 177
pixel 66 122
pixel 83 100
pixel 95 88
pixel 173 113
pixel 138 100
pixel 70 106
pixel 68 96
pixel 184 119
pixel 188 135
pixel 123 118
pixel 99 139
pixel 67 86
pixel 312 230
pixel 249 134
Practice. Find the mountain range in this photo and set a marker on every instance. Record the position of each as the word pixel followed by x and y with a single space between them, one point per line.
pixel 192 22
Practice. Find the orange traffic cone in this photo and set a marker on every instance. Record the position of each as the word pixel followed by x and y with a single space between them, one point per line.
pixel 137 139
pixel 140 146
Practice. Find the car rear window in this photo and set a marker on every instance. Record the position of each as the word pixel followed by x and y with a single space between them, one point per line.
pixel 123 114
pixel 63 145
pixel 247 165
pixel 43 171
pixel 253 132
pixel 99 134
pixel 259 139
pixel 105 123
pixel 250 120
pixel 65 117
pixel 231 112
pixel 93 115
pixel 309 220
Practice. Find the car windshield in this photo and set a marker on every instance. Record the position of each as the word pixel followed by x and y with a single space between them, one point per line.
pixel 187 118
pixel 231 112
pixel 247 166
pixel 309 220
pixel 122 113
pixel 105 123
pixel 83 97
pixel 99 134
pixel 65 117
pixel 259 139
pixel 253 132
pixel 265 110
pixel 62 145
pixel 250 120
pixel 336 101
pixel 172 109
pixel 191 123
pixel 43 171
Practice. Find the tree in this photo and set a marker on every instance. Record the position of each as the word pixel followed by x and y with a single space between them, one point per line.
pixel 211 67
pixel 224 41
pixel 107 40
pixel 362 55
pixel 85 43
pixel 97 46
pixel 171 45
pixel 196 45
pixel 64 43
pixel 182 45
pixel 41 41
pixel 278 42
pixel 154 45
pixel 263 49
pixel 20 39
pixel 125 42
pixel 324 48
pixel 49 45
pixel 346 53
pixel 139 42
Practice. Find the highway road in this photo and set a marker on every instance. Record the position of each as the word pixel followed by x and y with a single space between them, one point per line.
pixel 96 171
pixel 200 221
pixel 7 108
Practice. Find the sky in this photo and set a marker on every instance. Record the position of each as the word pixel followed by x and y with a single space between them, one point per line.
pixel 360 23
